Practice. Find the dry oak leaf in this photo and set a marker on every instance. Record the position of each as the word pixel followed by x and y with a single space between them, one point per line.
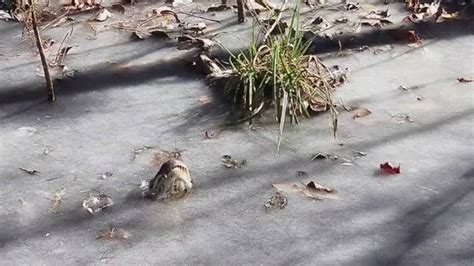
pixel 361 112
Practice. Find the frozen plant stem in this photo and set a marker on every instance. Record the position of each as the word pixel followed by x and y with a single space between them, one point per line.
pixel 44 62
pixel 240 11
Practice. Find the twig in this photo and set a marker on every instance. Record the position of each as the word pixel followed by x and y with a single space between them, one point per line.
pixel 47 76
pixel 55 20
pixel 197 16
pixel 240 11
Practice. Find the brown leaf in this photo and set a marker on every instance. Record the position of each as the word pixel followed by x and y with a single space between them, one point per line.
pixel 48 43
pixel 317 104
pixel 28 171
pixel 228 162
pixel 361 112
pixel 218 8
pixel 287 188
pixel 317 21
pixel 425 12
pixel 310 195
pixel 351 6
pixel 96 203
pixel 119 8
pixel 197 27
pixel 143 33
pixel 67 72
pixel 377 14
pixel 341 20
pixel 377 23
pixel 5 16
pixel 102 15
pixel 465 80
pixel 319 156
pixel 113 234
pixel 413 38
pixel 318 187
pixel 402 118
pixel 212 133
pixel 163 156
pixel 57 200
pixel 59 60
pixel 276 201
pixel 187 42
pixel 383 48
pixel 312 190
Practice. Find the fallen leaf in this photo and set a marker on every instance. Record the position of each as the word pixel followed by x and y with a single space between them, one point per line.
pixel 218 8
pixel 163 156
pixel 339 75
pixel 96 203
pixel 319 156
pixel 341 20
pixel 287 188
pixel 318 187
pixel 425 12
pixel 361 49
pixel 113 234
pixel 414 39
pixel 143 33
pixel 402 118
pixel 59 59
pixel 119 8
pixel 382 49
pixel 377 23
pixel 57 200
pixel 377 14
pixel 211 67
pixel 317 21
pixel 48 43
pixel 388 169
pixel 311 190
pixel 28 171
pixel 5 16
pixel 196 27
pixel 360 153
pixel 187 42
pixel 276 201
pixel 67 72
pixel 228 162
pixel 102 15
pixel 211 133
pixel 351 6
pixel 465 80
pixel 361 112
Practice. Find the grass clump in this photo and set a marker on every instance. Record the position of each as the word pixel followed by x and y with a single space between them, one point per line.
pixel 278 72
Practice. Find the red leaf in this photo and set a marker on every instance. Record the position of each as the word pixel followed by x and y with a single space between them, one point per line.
pixel 386 168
